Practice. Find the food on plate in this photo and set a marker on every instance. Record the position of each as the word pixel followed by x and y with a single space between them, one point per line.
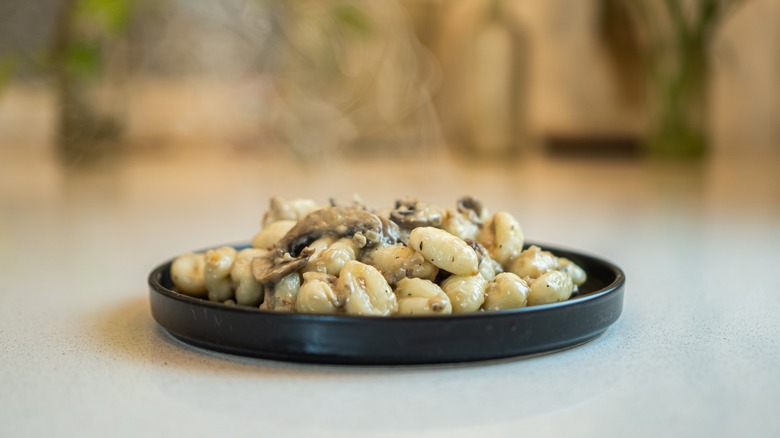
pixel 187 274
pixel 417 296
pixel 550 287
pixel 413 259
pixel 508 291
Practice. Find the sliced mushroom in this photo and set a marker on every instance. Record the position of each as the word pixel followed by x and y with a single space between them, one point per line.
pixel 277 265
pixel 292 252
pixel 390 232
pixel 338 222
pixel 473 209
pixel 411 213
pixel 488 267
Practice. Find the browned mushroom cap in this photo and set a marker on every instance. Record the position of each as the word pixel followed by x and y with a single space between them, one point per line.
pixel 411 213
pixel 390 231
pixel 277 265
pixel 337 222
pixel 292 252
pixel 473 209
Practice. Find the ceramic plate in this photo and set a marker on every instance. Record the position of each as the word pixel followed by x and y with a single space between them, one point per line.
pixel 364 340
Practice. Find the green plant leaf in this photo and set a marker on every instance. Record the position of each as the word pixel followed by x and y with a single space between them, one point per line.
pixel 352 18
pixel 83 59
pixel 110 16
pixel 7 66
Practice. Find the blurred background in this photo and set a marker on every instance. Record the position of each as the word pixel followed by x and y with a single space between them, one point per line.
pixel 174 121
pixel 646 132
pixel 90 81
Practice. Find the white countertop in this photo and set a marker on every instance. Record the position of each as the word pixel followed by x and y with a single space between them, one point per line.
pixel 695 353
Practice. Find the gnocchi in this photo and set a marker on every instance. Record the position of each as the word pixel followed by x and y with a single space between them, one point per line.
pixel 417 296
pixel 216 273
pixel 444 250
pixel 272 233
pixel 365 291
pixel 507 291
pixel 533 262
pixel 503 237
pixel 284 294
pixel 187 274
pixel 466 292
pixel 317 294
pixel 414 259
pixel 550 287
pixel 397 262
pixel 248 291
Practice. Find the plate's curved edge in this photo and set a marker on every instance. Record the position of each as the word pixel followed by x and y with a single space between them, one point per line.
pixel 313 359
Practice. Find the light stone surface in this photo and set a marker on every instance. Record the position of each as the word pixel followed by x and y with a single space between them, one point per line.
pixel 695 353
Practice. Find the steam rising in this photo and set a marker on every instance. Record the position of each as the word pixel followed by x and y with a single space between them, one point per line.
pixel 315 77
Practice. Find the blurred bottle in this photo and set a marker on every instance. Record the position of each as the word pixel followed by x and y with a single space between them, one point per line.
pixel 90 62
pixel 488 84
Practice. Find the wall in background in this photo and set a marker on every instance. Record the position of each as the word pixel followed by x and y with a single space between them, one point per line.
pixel 212 98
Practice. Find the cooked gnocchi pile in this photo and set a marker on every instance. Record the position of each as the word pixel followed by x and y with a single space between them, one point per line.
pixel 414 259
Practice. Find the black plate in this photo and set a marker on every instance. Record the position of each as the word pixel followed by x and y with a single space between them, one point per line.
pixel 344 339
